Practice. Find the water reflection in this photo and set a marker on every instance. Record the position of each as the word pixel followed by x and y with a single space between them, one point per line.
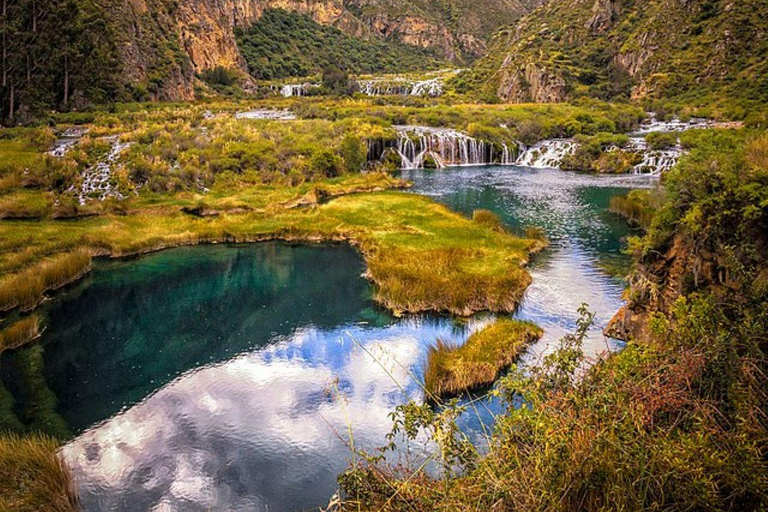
pixel 584 261
pixel 226 378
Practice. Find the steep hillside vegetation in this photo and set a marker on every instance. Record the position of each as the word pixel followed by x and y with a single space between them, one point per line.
pixel 283 44
pixel 695 50
pixel 66 53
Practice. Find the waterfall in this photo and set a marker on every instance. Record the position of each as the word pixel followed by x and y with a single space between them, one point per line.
pixel 266 113
pixel 655 161
pixel 96 180
pixel 546 154
pixel 400 86
pixel 652 124
pixel 289 90
pixel 444 146
pixel 66 141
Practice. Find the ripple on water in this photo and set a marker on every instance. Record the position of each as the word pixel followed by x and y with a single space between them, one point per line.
pixel 263 423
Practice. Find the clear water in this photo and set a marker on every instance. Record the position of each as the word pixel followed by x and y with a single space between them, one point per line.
pixel 229 377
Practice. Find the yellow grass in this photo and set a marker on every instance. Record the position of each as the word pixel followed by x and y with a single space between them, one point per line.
pixel 20 332
pixel 421 255
pixel 32 477
pixel 452 370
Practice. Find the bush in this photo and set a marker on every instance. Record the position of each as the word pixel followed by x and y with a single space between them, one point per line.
pixel 661 140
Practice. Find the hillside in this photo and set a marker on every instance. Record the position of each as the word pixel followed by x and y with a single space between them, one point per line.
pixel 695 50
pixel 284 44
pixel 69 53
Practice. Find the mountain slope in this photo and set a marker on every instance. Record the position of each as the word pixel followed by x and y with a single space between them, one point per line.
pixel 66 53
pixel 630 48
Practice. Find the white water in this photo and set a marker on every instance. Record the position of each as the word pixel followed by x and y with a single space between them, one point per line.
pixel 446 146
pixel 96 183
pixel 402 86
pixel 673 125
pixel 547 154
pixel 266 113
pixel 67 140
pixel 289 90
pixel 655 162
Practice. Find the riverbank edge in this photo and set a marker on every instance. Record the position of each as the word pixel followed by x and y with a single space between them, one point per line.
pixel 370 250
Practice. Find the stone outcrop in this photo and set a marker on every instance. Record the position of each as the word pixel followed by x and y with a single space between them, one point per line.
pixel 530 83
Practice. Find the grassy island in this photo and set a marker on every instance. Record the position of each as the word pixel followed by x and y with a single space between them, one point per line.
pixel 452 370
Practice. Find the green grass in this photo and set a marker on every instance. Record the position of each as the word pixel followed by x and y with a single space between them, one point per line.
pixel 420 255
pixel 637 206
pixel 452 370
pixel 32 477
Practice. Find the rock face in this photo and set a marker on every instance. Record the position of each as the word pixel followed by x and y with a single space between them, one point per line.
pixel 164 43
pixel 530 83
pixel 622 48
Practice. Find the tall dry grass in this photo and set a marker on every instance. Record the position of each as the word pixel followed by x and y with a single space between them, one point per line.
pixel 456 369
pixel 443 280
pixel 20 332
pixel 25 289
pixel 32 476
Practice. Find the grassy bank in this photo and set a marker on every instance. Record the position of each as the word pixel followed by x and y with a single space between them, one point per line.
pixel 421 256
pixel 32 477
pixel 675 421
pixel 452 370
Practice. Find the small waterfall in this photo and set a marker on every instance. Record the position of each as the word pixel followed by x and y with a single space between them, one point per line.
pixel 96 179
pixel 546 154
pixel 266 113
pixel 66 141
pixel 652 124
pixel 444 146
pixel 289 90
pixel 403 87
pixel 655 161
pixel 508 156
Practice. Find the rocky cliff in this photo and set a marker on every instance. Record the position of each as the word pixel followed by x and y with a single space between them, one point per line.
pixel 163 43
pixel 629 48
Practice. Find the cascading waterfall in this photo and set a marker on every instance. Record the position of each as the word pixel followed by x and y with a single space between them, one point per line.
pixel 443 147
pixel 546 154
pixel 289 90
pixel 401 86
pixel 655 161
pixel 96 180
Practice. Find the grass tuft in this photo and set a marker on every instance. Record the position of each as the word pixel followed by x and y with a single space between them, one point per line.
pixel 25 289
pixel 452 370
pixel 32 477
pixel 20 332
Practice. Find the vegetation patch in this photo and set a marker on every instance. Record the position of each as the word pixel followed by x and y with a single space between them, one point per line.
pixel 452 370
pixel 20 332
pixel 289 44
pixel 638 206
pixel 32 476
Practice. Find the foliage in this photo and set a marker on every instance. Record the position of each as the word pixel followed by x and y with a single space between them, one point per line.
pixel 32 477
pixel 452 370
pixel 661 140
pixel 638 206
pixel 285 44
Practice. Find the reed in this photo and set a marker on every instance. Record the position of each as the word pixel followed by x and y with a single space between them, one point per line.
pixel 455 369
pixel 20 333
pixel 32 476
pixel 25 289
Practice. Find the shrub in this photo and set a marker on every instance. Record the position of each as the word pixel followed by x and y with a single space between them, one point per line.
pixel 661 140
